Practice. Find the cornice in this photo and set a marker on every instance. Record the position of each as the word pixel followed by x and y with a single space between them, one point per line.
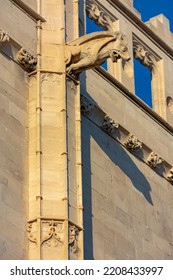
pixel 142 27
pixel 26 9
pixel 133 98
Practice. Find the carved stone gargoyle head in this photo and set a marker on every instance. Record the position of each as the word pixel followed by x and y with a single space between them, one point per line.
pixel 91 50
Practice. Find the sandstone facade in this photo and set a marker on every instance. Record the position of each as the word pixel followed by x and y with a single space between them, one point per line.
pixel 86 167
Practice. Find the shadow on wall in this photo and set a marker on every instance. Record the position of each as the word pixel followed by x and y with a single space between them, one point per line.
pixel 120 158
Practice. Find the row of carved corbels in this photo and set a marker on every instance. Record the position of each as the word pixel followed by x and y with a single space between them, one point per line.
pixel 52 234
pixel 131 143
pixel 26 60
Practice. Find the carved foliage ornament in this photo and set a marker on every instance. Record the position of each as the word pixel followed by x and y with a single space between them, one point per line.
pixel 4 37
pixel 169 176
pixel 54 231
pixel 26 60
pixel 154 160
pixel 99 17
pixel 73 239
pixel 144 56
pixel 109 124
pixel 86 106
pixel 133 143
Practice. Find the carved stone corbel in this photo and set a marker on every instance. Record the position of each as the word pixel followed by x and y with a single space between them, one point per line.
pixel 169 176
pixel 109 125
pixel 86 106
pixel 133 143
pixel 144 56
pixel 73 239
pixel 99 17
pixel 26 60
pixel 154 160
pixel 4 37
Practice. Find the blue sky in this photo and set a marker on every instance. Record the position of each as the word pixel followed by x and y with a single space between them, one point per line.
pixel 148 9
pixel 151 8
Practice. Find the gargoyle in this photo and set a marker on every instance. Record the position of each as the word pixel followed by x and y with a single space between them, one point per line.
pixel 91 50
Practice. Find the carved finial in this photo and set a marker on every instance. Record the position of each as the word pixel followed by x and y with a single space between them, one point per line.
pixel 73 239
pixel 154 160
pixel 99 17
pixel 144 56
pixel 133 143
pixel 109 124
pixel 169 176
pixel 4 37
pixel 86 106
pixel 26 60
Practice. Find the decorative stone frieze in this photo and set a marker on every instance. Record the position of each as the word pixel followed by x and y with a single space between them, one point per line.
pixel 169 176
pixel 133 143
pixel 52 233
pixel 99 17
pixel 109 124
pixel 154 160
pixel 26 60
pixel 31 232
pixel 86 106
pixel 73 239
pixel 144 56
pixel 4 37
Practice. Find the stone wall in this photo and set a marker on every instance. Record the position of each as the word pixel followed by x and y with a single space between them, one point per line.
pixel 14 87
pixel 127 204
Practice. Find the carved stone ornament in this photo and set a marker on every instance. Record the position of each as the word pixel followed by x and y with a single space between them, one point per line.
pixel 31 235
pixel 144 56
pixel 133 143
pixel 26 60
pixel 73 239
pixel 99 17
pixel 169 176
pixel 4 37
pixel 154 160
pixel 86 106
pixel 53 231
pixel 109 124
pixel 91 50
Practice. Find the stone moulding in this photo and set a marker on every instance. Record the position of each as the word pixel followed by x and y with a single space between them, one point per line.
pixel 154 160
pixel 26 60
pixel 109 125
pixel 133 143
pixel 144 56
pixel 4 37
pixel 99 17
pixel 73 239
pixel 86 106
